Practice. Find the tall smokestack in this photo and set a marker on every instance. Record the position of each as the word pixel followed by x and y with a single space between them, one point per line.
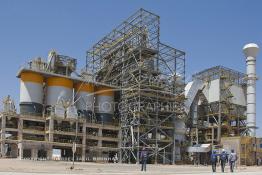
pixel 251 51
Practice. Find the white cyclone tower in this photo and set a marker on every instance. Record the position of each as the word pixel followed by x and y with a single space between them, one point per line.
pixel 251 51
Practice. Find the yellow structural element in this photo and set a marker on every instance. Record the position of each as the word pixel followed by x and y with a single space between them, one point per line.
pixel 60 81
pixel 32 77
pixel 104 91
pixel 86 87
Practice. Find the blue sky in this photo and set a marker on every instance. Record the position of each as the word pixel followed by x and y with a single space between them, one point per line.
pixel 210 32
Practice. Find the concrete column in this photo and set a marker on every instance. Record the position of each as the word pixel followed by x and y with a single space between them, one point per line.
pixel 20 129
pixel 34 152
pixel 119 138
pixel 3 126
pixel 83 153
pixel 21 151
pixel 100 134
pixel 14 151
pixel 99 144
pixel 120 145
pixel 50 138
pixel 51 130
pixel 3 149
pixel 49 153
pixel 84 143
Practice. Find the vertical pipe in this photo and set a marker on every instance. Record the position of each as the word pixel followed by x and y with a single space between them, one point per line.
pixel 174 143
pixel 219 121
pixel 251 51
pixel 212 138
pixel 197 141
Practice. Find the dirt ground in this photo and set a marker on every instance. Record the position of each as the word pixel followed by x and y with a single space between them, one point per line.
pixel 27 167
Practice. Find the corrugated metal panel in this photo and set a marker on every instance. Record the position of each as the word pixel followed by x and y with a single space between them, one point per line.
pixel 239 96
pixel 213 93
pixel 203 148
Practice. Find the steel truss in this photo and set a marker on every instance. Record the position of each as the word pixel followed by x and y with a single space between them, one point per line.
pixel 151 80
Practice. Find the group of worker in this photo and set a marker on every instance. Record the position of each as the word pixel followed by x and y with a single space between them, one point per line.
pixel 224 158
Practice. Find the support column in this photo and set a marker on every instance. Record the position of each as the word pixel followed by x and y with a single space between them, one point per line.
pixel 50 138
pixel 100 134
pixel 84 142
pixel 174 142
pixel 120 145
pixel 49 153
pixel 20 129
pixel 219 121
pixel 3 149
pixel 21 151
pixel 3 126
pixel 99 144
pixel 51 130
pixel 34 152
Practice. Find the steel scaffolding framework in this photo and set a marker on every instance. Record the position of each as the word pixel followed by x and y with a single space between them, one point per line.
pixel 151 80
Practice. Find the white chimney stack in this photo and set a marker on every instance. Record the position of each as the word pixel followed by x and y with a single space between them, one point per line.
pixel 251 51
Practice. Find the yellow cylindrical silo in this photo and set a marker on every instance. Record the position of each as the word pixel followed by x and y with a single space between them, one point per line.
pixel 84 99
pixel 104 104
pixel 31 93
pixel 58 89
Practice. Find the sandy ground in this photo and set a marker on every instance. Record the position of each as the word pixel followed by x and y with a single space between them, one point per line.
pixel 27 167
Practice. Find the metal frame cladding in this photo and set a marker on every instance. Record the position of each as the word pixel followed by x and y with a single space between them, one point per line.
pixel 217 71
pixel 151 80
pixel 219 114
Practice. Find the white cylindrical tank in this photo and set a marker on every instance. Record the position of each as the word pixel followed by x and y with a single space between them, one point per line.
pixel 104 104
pixel 251 51
pixel 84 97
pixel 59 90
pixel 31 93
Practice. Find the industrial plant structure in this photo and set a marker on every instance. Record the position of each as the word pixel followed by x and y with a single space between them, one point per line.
pixel 219 106
pixel 150 77
pixel 130 94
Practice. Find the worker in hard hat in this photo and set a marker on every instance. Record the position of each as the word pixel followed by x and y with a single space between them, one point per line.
pixel 143 157
pixel 214 161
pixel 223 158
pixel 232 160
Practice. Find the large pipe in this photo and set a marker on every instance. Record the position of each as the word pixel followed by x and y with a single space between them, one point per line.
pixel 251 51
